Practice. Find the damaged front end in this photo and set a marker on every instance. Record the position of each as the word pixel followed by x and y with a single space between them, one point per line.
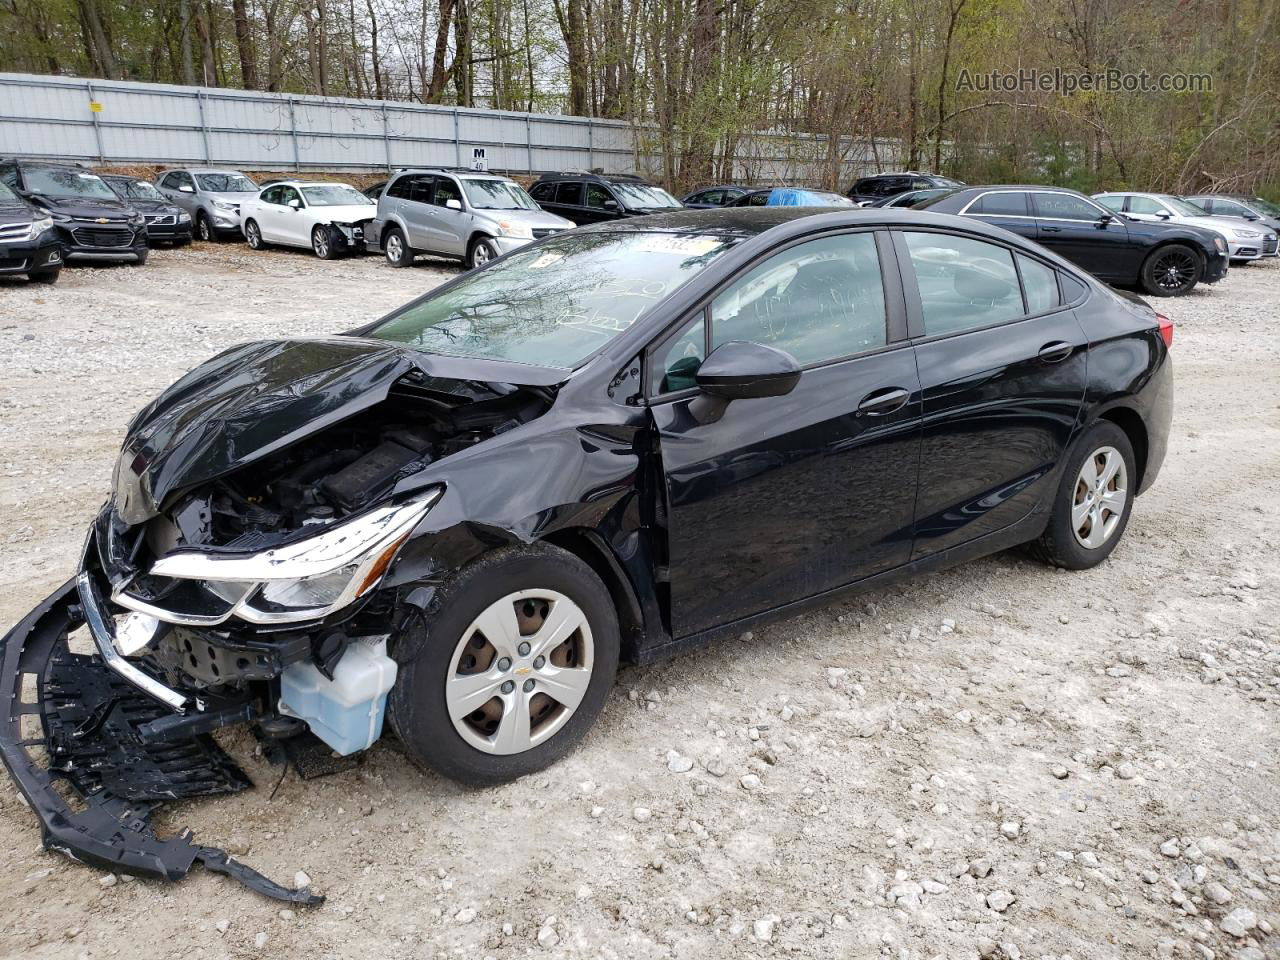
pixel 235 576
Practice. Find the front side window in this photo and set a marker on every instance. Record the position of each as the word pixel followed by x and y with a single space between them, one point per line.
pixel 1064 206
pixel 226 183
pixel 446 190
pixel 557 303
pixel 964 283
pixel 597 196
pixel 760 199
pixel 6 194
pixel 1146 206
pixel 335 195
pixel 676 363
pixel 288 195
pixel 1228 208
pixel 819 300
pixel 67 182
pixel 497 195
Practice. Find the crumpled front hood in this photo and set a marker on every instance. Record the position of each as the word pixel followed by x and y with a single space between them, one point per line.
pixel 260 397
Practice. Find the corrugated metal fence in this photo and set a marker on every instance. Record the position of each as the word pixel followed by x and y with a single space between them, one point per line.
pixel 122 122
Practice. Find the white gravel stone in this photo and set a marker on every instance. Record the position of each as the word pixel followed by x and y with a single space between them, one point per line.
pixel 641 815
pixel 750 782
pixel 1217 893
pixel 1000 900
pixel 1010 829
pixel 1171 849
pixel 465 915
pixel 1239 921
pixel 762 929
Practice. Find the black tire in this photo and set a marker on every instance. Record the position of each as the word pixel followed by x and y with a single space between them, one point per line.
pixel 1172 270
pixel 253 235
pixel 1059 545
pixel 324 242
pixel 141 257
pixel 204 228
pixel 425 648
pixel 44 276
pixel 480 252
pixel 396 248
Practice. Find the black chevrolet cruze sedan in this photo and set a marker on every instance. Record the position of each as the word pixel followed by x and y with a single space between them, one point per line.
pixel 611 444
pixel 28 242
pixel 1163 259
pixel 92 222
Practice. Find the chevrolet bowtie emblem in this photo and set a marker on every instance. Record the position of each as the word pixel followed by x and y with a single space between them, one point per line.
pixel 521 671
pixel 102 220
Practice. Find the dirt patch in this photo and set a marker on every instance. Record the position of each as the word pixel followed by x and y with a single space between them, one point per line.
pixel 1072 765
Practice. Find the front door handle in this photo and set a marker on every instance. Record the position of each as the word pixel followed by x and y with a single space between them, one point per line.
pixel 1051 229
pixel 879 402
pixel 1056 352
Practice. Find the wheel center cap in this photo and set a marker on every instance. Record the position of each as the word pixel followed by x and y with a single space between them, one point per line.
pixel 521 671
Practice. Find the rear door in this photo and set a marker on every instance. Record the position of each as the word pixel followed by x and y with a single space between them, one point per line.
pixel 781 498
pixel 266 211
pixel 1074 227
pixel 416 212
pixel 449 222
pixel 1002 370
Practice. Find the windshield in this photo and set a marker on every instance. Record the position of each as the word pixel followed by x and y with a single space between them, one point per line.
pixel 62 182
pixel 948 182
pixel 6 193
pixel 1180 206
pixel 139 190
pixel 643 195
pixel 918 197
pixel 226 183
pixel 497 195
pixel 335 195
pixel 1265 206
pixel 556 303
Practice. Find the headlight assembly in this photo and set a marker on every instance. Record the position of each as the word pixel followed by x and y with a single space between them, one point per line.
pixel 224 205
pixel 1247 234
pixel 304 580
pixel 184 217
pixel 39 227
pixel 517 231
pixel 1219 244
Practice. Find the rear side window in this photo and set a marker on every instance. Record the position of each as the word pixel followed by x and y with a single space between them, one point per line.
pixel 420 189
pixel 569 192
pixel 1001 205
pixel 759 199
pixel 964 283
pixel 400 188
pixel 1040 283
pixel 818 301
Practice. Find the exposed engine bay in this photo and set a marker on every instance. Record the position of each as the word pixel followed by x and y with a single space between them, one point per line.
pixel 341 470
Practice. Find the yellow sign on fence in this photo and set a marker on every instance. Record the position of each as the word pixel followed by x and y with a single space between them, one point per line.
pixel 95 106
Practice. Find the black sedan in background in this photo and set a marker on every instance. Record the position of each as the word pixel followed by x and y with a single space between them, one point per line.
pixel 611 444
pixel 166 223
pixel 709 198
pixel 92 222
pixel 28 242
pixel 1165 260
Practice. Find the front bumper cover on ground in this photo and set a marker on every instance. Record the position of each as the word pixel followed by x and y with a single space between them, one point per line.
pixel 90 779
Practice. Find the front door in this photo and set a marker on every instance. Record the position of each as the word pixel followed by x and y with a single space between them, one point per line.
pixel 1074 227
pixel 773 500
pixel 1002 370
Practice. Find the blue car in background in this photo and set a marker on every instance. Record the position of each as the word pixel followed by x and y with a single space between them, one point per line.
pixel 791 197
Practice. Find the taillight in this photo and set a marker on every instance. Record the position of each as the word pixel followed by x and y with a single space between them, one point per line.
pixel 1166 329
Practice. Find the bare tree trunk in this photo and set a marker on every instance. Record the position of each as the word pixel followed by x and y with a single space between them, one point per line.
pixel 571 16
pixel 439 71
pixel 378 91
pixel 98 43
pixel 462 68
pixel 244 44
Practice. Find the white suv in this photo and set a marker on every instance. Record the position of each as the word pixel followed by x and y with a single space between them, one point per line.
pixel 1244 241
pixel 471 216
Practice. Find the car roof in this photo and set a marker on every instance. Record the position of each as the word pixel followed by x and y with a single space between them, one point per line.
pixel 452 171
pixel 595 177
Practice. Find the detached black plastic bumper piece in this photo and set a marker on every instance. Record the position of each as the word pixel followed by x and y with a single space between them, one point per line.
pixel 88 720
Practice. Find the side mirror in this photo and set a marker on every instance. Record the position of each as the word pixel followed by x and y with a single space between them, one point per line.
pixel 611 204
pixel 1164 215
pixel 1105 219
pixel 186 188
pixel 453 204
pixel 741 370
pixel 295 204
pixel 1252 216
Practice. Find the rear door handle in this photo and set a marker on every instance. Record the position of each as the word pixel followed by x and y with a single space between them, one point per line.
pixel 1056 352
pixel 879 402
pixel 1051 229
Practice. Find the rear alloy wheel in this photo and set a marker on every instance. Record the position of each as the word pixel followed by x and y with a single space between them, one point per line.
pixel 253 234
pixel 481 252
pixel 507 668
pixel 1094 499
pixel 1171 271
pixel 322 243
pixel 397 251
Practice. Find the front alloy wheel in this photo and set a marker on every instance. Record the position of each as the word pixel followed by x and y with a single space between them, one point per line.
pixel 322 243
pixel 519 671
pixel 507 665
pixel 1171 271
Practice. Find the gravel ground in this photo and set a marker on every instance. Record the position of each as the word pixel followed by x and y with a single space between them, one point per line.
pixel 1000 761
